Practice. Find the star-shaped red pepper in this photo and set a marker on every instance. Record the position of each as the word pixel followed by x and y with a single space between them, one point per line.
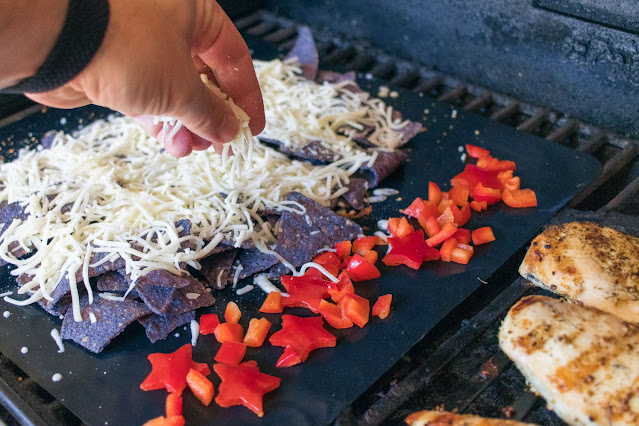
pixel 244 385
pixel 169 370
pixel 305 291
pixel 303 335
pixel 410 250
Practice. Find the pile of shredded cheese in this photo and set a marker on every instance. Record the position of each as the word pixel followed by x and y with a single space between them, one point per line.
pixel 125 194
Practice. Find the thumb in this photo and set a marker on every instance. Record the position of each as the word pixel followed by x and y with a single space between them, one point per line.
pixel 202 112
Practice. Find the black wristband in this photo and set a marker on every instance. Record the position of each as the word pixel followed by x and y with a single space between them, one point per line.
pixel 84 28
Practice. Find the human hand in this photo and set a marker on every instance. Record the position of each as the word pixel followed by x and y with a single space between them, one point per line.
pixel 149 65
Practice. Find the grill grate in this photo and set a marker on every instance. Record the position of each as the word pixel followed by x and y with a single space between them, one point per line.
pixel 453 367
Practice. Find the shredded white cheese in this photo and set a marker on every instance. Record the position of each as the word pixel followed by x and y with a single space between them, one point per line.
pixel 244 290
pixel 318 267
pixel 265 284
pixel 55 334
pixel 195 332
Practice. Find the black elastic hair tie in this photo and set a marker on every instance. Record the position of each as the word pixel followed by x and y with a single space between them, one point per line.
pixel 81 36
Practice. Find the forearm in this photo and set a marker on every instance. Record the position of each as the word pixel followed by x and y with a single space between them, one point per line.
pixel 28 31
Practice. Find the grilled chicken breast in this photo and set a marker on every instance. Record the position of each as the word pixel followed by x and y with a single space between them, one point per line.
pixel 594 265
pixel 442 418
pixel 584 362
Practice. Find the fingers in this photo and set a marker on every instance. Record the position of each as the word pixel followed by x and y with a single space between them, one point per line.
pixel 63 97
pixel 221 47
pixel 178 144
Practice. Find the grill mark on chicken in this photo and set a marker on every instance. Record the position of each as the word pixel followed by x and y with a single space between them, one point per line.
pixel 435 418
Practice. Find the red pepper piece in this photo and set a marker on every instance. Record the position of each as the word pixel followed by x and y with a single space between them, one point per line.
pixel 512 184
pixel 303 335
pixel 459 194
pixel 447 231
pixel 345 262
pixel 343 249
pixel 229 332
pixel 505 176
pixel 520 198
pixel 329 261
pixel 244 385
pixel 169 370
pixel 173 405
pixel 447 248
pixel 462 254
pixel 273 303
pixel 356 309
pixel 371 256
pixel 339 289
pixel 333 315
pixel 208 323
pixel 462 236
pixel 477 205
pixel 166 421
pixel 399 227
pixel 257 332
pixel 305 291
pixel 430 254
pixel 434 193
pixel 483 235
pixel 444 204
pixel 409 251
pixel 430 225
pixel 491 164
pixel 231 353
pixel 464 215
pixel 365 244
pixel 420 207
pixel 201 387
pixel 200 367
pixel 472 175
pixel 489 195
pixel 232 313
pixel 446 217
pixel 476 152
pixel 381 308
pixel 360 269
pixel 288 359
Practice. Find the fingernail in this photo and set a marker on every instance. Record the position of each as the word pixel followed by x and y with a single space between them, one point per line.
pixel 229 128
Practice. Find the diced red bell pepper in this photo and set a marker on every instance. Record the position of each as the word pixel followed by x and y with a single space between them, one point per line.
pixel 332 313
pixel 505 176
pixel 232 313
pixel 289 358
pixel 370 255
pixel 305 291
pixel 491 164
pixel 444 204
pixel 231 353
pixel 446 217
pixel 173 405
pixel 244 385
pixel 462 236
pixel 446 250
pixel 201 387
pixel 409 251
pixel 257 332
pixel 303 335
pixel 478 206
pixel 364 244
pixel 487 194
pixel 430 225
pixel 521 198
pixel 472 175
pixel 339 289
pixel 356 309
pixel 512 184
pixel 273 303
pixel 476 152
pixel 329 261
pixel 445 196
pixel 399 227
pixel 229 332
pixel 201 367
pixel 483 235
pixel 382 306
pixel 459 194
pixel 462 254
pixel 166 421
pixel 464 215
pixel 434 193
pixel 420 207
pixel 208 323
pixel 430 254
pixel 446 232
pixel 360 269
pixel 169 370
pixel 343 249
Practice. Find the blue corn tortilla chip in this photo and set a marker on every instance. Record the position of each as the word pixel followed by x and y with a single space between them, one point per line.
pixel 385 164
pixel 114 282
pixel 305 52
pixel 216 268
pixel 58 308
pixel 112 318
pixel 158 327
pixel 183 300
pixel 313 152
pixel 336 77
pixel 48 138
pixel 164 278
pixel 302 235
pixel 357 188
pixel 157 298
pixel 254 261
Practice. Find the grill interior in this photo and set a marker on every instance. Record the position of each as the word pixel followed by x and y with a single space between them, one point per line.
pixel 458 366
